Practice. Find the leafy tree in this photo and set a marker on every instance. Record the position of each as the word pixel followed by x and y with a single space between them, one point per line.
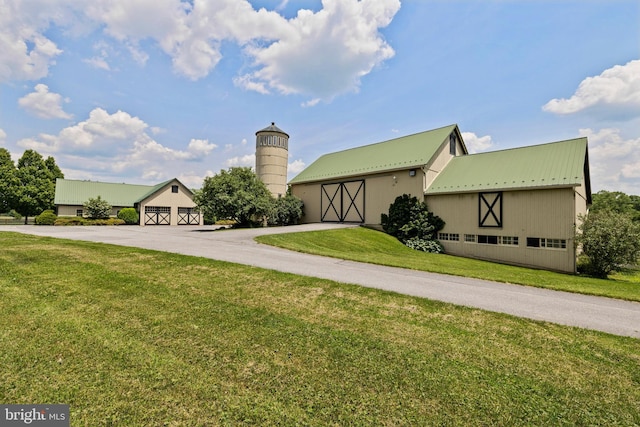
pixel 286 210
pixel 236 194
pixel 8 181
pixel 610 240
pixel 97 208
pixel 616 201
pixel 410 221
pixel 36 181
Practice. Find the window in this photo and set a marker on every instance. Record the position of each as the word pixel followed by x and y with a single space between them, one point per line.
pixel 470 238
pixel 533 242
pixel 454 237
pixel 509 240
pixel 489 240
pixel 553 243
pixel 174 188
pixel 537 242
pixel 79 212
pixel 452 144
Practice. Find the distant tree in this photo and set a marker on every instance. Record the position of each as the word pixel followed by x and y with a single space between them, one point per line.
pixel 237 194
pixel 610 240
pixel 8 181
pixel 410 221
pixel 97 208
pixel 36 181
pixel 616 201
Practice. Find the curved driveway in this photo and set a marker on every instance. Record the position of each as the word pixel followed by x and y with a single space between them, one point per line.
pixel 597 313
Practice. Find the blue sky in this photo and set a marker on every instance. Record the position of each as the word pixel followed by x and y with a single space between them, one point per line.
pixel 140 91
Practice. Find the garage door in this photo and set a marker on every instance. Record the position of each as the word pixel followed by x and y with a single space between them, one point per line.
pixel 342 202
pixel 157 215
pixel 188 216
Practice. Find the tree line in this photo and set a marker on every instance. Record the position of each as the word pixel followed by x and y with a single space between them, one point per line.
pixel 27 188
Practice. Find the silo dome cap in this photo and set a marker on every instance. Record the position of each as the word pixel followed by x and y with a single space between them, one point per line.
pixel 273 128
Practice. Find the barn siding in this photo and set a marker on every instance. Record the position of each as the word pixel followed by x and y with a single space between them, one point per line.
pixel 549 214
pixel 380 191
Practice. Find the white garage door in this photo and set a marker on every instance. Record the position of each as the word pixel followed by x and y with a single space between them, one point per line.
pixel 157 215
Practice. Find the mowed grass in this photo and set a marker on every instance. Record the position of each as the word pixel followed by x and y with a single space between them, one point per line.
pixel 371 246
pixel 132 337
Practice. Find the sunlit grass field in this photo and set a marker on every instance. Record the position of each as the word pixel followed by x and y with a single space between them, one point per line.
pixel 131 337
pixel 371 246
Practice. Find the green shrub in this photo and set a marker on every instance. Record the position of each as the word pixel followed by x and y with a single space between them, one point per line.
pixel 408 218
pixel 97 208
pixel 46 218
pixel 286 210
pixel 109 221
pixel 70 220
pixel 610 241
pixel 129 216
pixel 432 246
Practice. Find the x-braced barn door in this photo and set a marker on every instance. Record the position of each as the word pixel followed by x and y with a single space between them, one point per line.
pixel 188 216
pixel 342 202
pixel 157 215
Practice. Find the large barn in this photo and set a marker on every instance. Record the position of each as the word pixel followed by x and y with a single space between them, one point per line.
pixel 168 203
pixel 518 206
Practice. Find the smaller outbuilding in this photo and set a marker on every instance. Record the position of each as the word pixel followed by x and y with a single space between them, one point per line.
pixel 168 203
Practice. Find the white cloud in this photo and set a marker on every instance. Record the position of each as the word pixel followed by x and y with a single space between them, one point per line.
pixel 296 166
pixel 476 143
pixel 318 54
pixel 25 52
pixel 117 144
pixel 98 62
pixel 3 136
pixel 311 103
pixel 246 160
pixel 614 161
pixel 200 147
pixel 326 53
pixel 44 104
pixel 615 87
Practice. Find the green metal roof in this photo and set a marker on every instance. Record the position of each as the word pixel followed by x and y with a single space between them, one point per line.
pixel 408 151
pixel 559 164
pixel 72 192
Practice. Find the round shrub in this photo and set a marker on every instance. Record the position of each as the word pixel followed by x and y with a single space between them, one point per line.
pixel 46 218
pixel 129 216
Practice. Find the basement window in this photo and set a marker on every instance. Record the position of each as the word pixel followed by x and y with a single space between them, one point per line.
pixel 453 237
pixel 509 240
pixel 488 240
pixel 79 212
pixel 553 243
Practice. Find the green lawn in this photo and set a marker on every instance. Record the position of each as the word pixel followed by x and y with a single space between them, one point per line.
pixel 366 245
pixel 132 337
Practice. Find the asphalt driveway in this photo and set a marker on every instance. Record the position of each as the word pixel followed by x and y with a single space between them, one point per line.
pixel 597 313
